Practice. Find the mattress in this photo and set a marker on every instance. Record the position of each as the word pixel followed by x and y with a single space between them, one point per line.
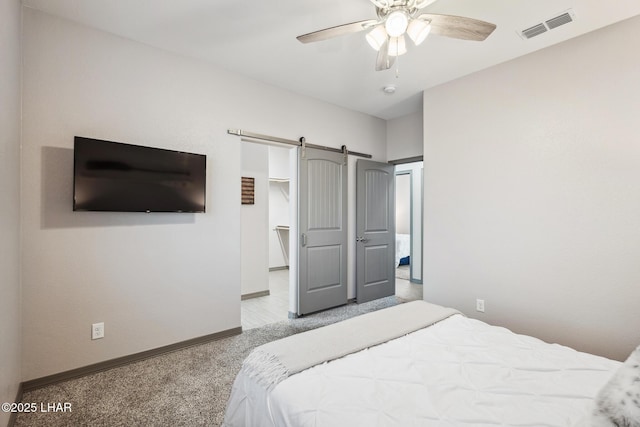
pixel 458 372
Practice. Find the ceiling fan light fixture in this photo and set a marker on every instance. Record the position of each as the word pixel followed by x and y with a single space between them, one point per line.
pixel 418 30
pixel 377 37
pixel 396 23
pixel 397 46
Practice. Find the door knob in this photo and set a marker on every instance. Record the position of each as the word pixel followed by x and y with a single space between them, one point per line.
pixel 361 239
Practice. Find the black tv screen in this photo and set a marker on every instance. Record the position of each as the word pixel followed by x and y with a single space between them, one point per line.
pixel 117 177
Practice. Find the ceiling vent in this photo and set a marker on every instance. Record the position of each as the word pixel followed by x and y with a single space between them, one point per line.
pixel 536 30
pixel 547 25
pixel 565 18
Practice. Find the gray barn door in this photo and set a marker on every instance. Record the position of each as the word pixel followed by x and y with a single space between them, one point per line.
pixel 375 230
pixel 322 213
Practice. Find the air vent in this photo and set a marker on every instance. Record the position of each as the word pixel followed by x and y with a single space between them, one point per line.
pixel 565 18
pixel 549 24
pixel 536 30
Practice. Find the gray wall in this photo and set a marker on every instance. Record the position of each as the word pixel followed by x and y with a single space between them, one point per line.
pixel 10 52
pixel 403 204
pixel 531 192
pixel 405 137
pixel 153 279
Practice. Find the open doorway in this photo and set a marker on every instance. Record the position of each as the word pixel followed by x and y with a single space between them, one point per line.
pixel 408 259
pixel 265 235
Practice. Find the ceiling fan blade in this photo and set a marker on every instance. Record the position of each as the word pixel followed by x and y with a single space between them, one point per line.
pixel 384 61
pixel 458 27
pixel 339 30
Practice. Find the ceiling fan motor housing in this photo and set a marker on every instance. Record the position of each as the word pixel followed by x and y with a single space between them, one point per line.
pixel 385 7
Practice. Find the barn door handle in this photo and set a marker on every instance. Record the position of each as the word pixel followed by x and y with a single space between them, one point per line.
pixel 304 240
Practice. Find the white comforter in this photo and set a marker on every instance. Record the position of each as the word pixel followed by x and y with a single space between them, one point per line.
pixel 458 372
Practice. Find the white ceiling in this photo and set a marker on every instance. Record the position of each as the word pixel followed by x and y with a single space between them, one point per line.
pixel 258 39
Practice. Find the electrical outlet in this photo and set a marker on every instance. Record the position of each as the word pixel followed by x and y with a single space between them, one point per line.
pixel 480 305
pixel 97 331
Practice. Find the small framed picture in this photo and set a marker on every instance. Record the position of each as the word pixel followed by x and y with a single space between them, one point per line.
pixel 248 189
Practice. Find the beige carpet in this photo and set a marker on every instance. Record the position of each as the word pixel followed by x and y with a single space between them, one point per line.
pixel 189 387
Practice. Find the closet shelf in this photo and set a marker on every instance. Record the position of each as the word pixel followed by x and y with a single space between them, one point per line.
pixel 279 180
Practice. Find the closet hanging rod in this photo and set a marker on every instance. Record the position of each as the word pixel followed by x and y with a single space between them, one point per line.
pixel 260 137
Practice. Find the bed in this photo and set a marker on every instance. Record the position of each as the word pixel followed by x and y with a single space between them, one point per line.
pixel 419 364
pixel 403 247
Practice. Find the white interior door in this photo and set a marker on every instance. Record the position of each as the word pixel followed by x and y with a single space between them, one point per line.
pixel 375 230
pixel 322 213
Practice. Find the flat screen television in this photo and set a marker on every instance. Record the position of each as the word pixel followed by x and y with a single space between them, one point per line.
pixel 117 177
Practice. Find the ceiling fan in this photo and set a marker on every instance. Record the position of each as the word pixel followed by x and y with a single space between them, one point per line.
pixel 397 18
